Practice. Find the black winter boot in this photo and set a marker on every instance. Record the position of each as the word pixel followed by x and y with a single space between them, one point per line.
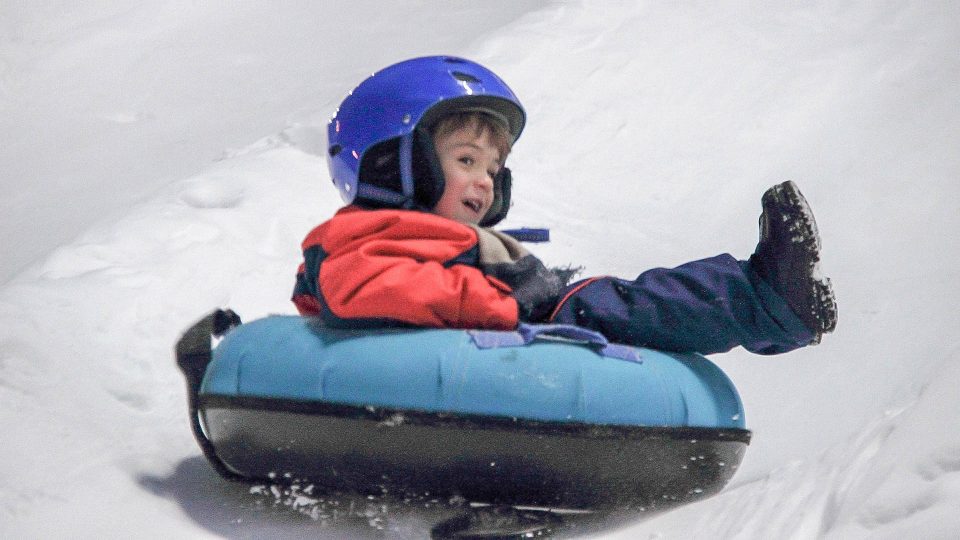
pixel 787 258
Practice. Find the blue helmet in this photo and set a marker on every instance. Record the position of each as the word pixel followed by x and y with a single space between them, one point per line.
pixel 379 149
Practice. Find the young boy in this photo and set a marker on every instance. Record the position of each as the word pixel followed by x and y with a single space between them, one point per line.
pixel 417 151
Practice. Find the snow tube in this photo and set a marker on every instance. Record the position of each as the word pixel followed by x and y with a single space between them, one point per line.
pixel 550 416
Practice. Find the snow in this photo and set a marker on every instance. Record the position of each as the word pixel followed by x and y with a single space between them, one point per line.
pixel 163 159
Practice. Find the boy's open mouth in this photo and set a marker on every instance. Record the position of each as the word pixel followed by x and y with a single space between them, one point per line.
pixel 473 204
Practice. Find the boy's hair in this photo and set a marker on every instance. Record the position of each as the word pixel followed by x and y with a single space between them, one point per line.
pixel 481 122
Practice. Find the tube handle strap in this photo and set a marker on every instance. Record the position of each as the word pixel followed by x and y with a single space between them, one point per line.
pixel 194 351
pixel 563 333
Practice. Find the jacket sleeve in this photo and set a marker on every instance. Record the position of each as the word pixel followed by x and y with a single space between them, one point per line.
pixel 406 276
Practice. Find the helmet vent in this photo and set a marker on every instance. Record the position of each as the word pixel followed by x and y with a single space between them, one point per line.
pixel 335 149
pixel 464 77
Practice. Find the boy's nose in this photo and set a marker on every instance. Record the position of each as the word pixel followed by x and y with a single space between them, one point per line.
pixel 485 181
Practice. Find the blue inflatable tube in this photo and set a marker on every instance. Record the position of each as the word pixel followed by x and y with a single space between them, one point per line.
pixel 447 371
pixel 547 416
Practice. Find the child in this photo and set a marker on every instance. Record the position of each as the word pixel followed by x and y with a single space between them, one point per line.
pixel 417 150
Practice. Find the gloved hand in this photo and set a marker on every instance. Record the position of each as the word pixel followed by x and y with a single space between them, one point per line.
pixel 535 288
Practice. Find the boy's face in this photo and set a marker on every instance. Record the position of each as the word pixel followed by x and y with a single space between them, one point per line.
pixel 469 163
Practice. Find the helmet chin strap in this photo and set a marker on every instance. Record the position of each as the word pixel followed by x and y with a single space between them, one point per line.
pixel 371 193
pixel 406 170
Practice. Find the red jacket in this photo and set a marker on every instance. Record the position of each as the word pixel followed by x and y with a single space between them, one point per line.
pixel 388 267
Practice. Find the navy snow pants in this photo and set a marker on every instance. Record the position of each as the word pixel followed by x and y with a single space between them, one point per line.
pixel 706 306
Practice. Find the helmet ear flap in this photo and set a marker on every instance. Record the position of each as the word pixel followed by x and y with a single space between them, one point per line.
pixel 502 184
pixel 427 170
pixel 378 180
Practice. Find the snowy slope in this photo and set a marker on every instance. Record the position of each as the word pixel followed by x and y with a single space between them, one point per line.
pixel 120 98
pixel 653 130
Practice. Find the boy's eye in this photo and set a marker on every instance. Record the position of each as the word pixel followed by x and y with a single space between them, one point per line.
pixel 466 160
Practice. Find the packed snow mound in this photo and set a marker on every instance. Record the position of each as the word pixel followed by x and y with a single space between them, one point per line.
pixel 653 129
